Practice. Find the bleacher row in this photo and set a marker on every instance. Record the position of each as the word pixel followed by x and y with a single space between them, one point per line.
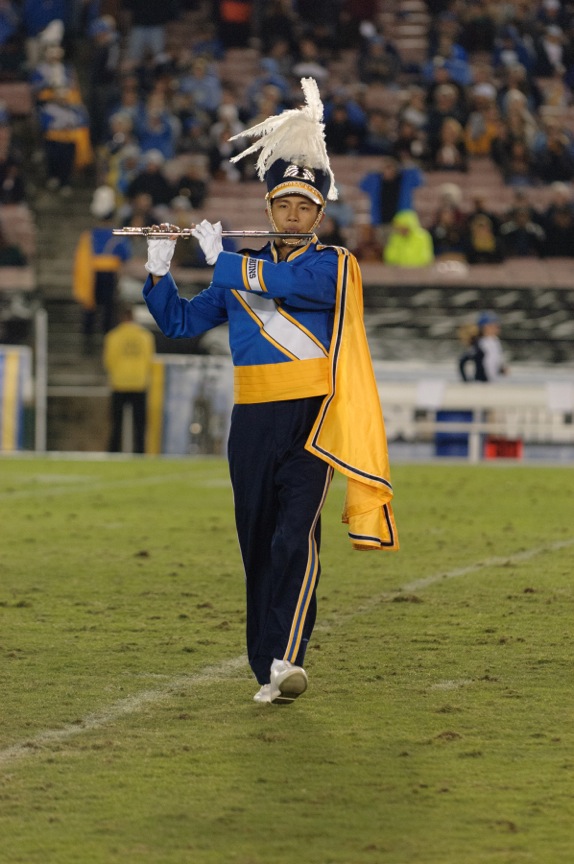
pixel 240 205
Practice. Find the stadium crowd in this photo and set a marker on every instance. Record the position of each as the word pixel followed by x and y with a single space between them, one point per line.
pixel 117 100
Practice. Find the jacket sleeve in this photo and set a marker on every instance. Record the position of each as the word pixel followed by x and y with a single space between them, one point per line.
pixel 312 285
pixel 177 317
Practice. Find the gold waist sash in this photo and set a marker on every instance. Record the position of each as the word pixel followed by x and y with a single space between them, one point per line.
pixel 275 382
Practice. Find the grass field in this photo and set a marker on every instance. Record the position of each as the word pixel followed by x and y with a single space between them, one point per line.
pixel 438 725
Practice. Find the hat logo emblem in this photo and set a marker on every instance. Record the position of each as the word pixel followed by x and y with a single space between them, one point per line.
pixel 300 172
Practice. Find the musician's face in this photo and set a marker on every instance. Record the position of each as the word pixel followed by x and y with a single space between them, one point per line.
pixel 294 213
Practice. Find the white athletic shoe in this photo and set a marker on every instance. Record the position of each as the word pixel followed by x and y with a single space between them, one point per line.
pixel 264 694
pixel 287 682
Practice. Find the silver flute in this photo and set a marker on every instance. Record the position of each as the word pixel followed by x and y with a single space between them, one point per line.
pixel 185 233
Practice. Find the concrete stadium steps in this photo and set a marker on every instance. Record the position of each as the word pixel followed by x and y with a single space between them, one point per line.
pixel 59 224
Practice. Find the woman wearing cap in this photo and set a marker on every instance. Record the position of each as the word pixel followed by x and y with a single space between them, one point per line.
pixel 484 351
pixel 294 310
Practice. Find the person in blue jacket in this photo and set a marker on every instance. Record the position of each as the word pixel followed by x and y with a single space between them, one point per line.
pixel 306 399
pixel 391 189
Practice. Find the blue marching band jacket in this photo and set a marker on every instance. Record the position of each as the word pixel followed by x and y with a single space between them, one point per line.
pixel 296 330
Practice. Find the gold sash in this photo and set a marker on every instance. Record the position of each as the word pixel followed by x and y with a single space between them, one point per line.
pixel 349 432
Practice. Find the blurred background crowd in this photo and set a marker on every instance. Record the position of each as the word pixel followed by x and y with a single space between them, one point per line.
pixel 449 124
pixel 118 99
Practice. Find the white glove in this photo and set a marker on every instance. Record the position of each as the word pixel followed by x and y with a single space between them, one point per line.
pixel 209 237
pixel 159 254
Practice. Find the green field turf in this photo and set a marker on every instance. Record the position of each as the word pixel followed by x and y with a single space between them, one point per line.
pixel 439 722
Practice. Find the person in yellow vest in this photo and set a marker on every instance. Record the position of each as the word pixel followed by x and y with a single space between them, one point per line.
pixel 128 356
pixel 97 264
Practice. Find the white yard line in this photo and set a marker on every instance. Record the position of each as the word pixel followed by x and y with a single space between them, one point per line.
pixel 81 484
pixel 227 668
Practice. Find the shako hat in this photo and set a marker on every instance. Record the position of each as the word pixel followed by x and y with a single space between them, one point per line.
pixel 293 158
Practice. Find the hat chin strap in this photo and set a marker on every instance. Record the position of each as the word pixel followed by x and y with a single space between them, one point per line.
pixel 298 241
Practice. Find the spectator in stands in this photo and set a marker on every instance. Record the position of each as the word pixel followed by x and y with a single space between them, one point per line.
pixel 97 264
pixel 549 52
pixel 128 356
pixel 450 195
pixel 228 121
pixel 103 76
pixel 446 102
pixel 157 128
pixel 353 18
pixel 415 109
pixel 342 134
pixel 378 139
pixel 12 54
pixel 52 74
pixel 66 137
pixel 517 116
pixel 139 213
pixel 278 21
pixel 329 232
pixel 193 185
pixel 309 62
pixel 11 255
pixel 222 149
pixel 341 209
pixel 130 99
pixel 121 168
pixel 151 179
pixel 147 28
pixel 448 235
pixel 234 22
pixel 521 200
pixel 559 233
pixel 281 51
pixel 477 26
pixel 480 208
pixel 367 246
pixel 12 185
pixel 120 136
pixel 510 49
pixel 449 152
pixel 390 189
pixel 521 236
pixel 200 81
pixel 321 19
pixel 483 121
pixel 410 146
pixel 484 352
pixel 515 77
pixel 560 196
pixel 269 101
pixel 379 61
pixel 452 59
pixel 513 157
pixel 408 243
pixel 44 23
pixel 554 161
pixel 482 241
pixel 444 22
pixel 269 74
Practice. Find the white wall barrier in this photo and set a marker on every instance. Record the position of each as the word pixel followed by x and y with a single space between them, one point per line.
pixel 460 418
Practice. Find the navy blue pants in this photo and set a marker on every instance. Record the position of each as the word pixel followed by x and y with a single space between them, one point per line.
pixel 279 489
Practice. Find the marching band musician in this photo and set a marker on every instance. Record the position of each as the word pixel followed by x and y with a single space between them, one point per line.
pixel 306 399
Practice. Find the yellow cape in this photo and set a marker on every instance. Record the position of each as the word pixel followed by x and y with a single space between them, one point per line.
pixel 349 432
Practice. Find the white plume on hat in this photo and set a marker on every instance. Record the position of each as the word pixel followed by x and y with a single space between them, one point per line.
pixel 296 135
